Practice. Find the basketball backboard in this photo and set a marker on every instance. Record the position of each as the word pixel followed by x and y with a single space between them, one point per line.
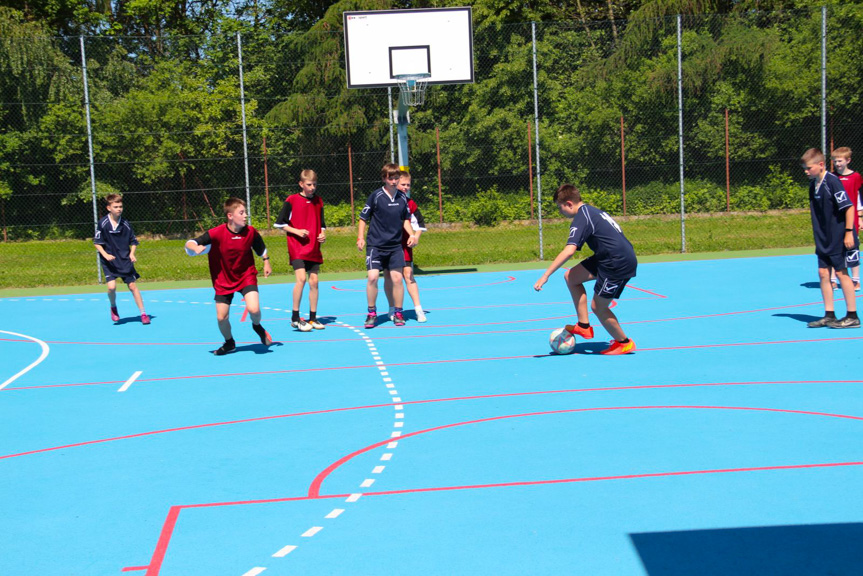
pixel 383 44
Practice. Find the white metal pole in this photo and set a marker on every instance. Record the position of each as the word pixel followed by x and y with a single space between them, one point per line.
pixel 680 129
pixel 824 80
pixel 90 149
pixel 390 116
pixel 536 122
pixel 245 138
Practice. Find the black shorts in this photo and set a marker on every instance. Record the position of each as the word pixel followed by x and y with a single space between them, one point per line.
pixel 605 286
pixel 127 277
pixel 842 261
pixel 388 259
pixel 228 298
pixel 307 265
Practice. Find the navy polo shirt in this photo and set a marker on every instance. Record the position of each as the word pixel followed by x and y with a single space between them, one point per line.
pixel 385 216
pixel 614 254
pixel 117 242
pixel 827 204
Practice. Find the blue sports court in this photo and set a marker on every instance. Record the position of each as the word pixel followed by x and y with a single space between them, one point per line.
pixel 729 443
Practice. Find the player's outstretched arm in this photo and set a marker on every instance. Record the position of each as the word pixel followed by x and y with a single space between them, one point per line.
pixel 568 251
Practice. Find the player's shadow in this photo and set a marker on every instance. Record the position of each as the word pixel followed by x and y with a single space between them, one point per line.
pixel 805 318
pixel 412 315
pixel 257 348
pixel 585 348
pixel 811 284
pixel 325 320
pixel 420 272
pixel 132 320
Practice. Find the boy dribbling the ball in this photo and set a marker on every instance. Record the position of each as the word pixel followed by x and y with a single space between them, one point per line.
pixel 612 265
pixel 230 249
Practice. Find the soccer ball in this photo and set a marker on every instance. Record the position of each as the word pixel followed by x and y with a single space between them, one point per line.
pixel 561 341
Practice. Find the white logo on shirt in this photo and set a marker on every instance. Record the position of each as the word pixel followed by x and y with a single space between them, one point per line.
pixel 611 221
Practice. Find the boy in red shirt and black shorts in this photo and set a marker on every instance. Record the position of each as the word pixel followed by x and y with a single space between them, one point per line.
pixel 302 219
pixel 230 248
pixel 852 182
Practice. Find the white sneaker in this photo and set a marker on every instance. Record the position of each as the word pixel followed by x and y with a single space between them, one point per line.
pixel 301 325
pixel 421 316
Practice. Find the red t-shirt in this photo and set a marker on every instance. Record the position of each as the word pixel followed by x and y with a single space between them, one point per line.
pixel 305 214
pixel 852 183
pixel 232 265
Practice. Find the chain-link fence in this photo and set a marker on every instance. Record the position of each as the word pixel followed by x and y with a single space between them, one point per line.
pixel 170 130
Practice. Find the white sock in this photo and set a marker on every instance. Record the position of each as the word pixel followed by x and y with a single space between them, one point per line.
pixel 418 308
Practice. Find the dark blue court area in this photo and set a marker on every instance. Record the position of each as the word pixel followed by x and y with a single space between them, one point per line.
pixel 728 444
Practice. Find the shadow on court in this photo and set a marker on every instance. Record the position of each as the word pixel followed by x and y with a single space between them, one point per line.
pixel 420 272
pixel 256 348
pixel 799 317
pixel 132 320
pixel 800 550
pixel 811 284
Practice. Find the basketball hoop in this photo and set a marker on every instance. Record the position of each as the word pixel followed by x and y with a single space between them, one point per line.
pixel 412 88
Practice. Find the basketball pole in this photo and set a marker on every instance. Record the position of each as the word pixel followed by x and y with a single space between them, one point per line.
pixel 402 118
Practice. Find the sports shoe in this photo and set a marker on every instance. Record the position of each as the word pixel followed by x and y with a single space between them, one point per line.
pixel 301 325
pixel 579 331
pixel 846 322
pixel 225 348
pixel 145 319
pixel 370 320
pixel 857 286
pixel 398 319
pixel 316 325
pixel 821 322
pixel 617 348
pixel 115 317
pixel 421 316
pixel 392 313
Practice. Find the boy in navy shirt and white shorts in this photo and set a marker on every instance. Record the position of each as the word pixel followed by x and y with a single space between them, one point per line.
pixel 835 240
pixel 116 243
pixel 386 214
pixel 612 265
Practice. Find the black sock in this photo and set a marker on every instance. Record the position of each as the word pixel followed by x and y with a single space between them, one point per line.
pixel 624 341
pixel 852 314
pixel 312 316
pixel 262 334
pixel 228 346
pixel 584 324
pixel 829 314
pixel 295 316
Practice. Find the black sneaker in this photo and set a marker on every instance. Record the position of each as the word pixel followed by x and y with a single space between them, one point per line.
pixel 821 322
pixel 226 348
pixel 846 322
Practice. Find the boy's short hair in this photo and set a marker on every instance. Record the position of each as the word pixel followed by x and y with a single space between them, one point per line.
pixel 404 174
pixel 567 193
pixel 843 152
pixel 111 198
pixel 389 170
pixel 812 156
pixel 308 175
pixel 231 204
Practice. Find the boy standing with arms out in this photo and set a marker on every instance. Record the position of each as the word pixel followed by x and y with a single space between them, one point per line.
pixel 229 248
pixel 852 182
pixel 419 225
pixel 302 219
pixel 386 215
pixel 835 241
pixel 612 265
pixel 116 243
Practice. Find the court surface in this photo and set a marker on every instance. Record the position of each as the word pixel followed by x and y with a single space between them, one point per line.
pixel 730 443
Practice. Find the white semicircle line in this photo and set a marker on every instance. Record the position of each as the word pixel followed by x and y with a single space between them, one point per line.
pixel 31 366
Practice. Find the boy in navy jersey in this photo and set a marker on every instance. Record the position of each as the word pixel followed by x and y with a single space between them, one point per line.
pixel 419 225
pixel 302 219
pixel 229 248
pixel 116 243
pixel 835 240
pixel 386 214
pixel 612 265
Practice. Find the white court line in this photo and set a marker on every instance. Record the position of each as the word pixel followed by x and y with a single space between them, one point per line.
pixel 284 551
pixel 131 379
pixel 312 531
pixel 31 366
pixel 254 571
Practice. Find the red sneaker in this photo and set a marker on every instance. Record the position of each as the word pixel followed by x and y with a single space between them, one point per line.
pixel 115 317
pixel 617 348
pixel 586 333
pixel 145 319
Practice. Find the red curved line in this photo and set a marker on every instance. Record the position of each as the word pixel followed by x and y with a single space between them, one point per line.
pixel 429 401
pixel 508 279
pixel 315 487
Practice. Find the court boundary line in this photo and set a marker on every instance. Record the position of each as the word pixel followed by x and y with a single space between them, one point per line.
pixel 42 356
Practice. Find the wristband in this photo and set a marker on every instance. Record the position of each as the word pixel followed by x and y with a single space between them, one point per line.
pixel 849 229
pixel 265 258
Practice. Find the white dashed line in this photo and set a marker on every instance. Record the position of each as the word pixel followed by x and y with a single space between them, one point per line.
pixel 284 551
pixel 128 382
pixel 335 513
pixel 367 483
pixel 353 497
pixel 254 571
pixel 392 445
pixel 312 531
pixel 400 415
pixel 387 456
pixel 399 425
pixel 378 469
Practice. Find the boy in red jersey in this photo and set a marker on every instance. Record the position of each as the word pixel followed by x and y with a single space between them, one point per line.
pixel 229 248
pixel 419 226
pixel 852 182
pixel 302 219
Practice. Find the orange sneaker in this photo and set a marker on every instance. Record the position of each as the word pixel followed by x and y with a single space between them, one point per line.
pixel 618 348
pixel 586 333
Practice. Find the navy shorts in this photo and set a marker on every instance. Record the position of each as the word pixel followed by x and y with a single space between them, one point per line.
pixel 127 277
pixel 307 265
pixel 385 259
pixel 605 286
pixel 841 261
pixel 228 298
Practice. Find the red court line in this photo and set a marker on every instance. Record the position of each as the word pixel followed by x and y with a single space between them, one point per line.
pixel 134 568
pixel 245 314
pixel 314 488
pixel 645 291
pixel 508 279
pixel 428 401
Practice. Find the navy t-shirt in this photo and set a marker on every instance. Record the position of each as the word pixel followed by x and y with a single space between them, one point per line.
pixel 385 217
pixel 827 204
pixel 116 242
pixel 614 254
